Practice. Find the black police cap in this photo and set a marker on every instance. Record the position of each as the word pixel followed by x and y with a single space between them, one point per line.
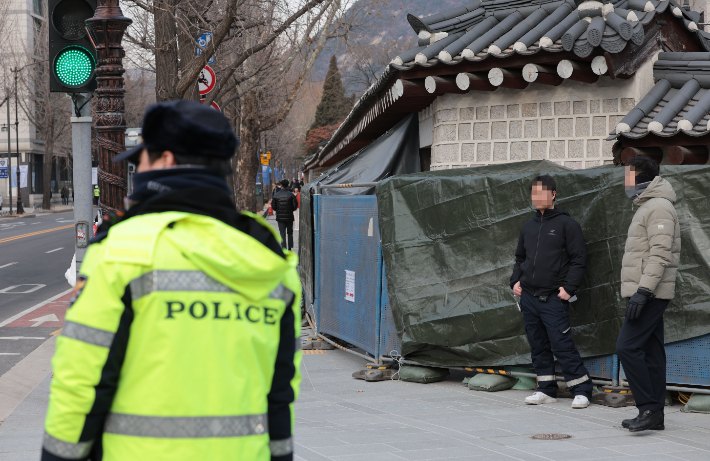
pixel 184 127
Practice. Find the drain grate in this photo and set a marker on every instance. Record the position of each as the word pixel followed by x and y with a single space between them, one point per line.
pixel 551 437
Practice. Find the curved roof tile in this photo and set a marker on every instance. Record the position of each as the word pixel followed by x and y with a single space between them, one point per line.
pixel 679 102
pixel 525 24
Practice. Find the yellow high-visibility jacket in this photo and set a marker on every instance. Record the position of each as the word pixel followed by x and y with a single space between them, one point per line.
pixel 182 344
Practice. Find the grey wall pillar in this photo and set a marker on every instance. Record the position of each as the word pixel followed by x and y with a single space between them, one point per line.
pixel 81 150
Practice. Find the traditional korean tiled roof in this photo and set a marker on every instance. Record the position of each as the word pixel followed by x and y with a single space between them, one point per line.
pixel 482 30
pixel 500 28
pixel 679 101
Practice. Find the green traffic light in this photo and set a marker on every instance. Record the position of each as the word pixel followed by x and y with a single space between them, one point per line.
pixel 74 66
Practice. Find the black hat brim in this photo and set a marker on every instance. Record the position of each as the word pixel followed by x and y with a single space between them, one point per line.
pixel 132 154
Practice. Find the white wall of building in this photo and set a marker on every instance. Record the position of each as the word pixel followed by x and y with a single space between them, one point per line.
pixel 566 124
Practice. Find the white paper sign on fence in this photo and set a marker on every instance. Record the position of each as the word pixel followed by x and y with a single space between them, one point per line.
pixel 350 286
pixel 94 176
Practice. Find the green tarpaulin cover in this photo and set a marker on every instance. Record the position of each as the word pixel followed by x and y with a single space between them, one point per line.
pixel 448 242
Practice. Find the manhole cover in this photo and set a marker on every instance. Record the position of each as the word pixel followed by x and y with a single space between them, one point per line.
pixel 551 437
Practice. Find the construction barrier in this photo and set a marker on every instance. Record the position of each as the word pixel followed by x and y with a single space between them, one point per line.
pixel 351 301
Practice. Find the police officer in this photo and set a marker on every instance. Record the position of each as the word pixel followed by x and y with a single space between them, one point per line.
pixel 648 273
pixel 181 343
pixel 550 261
pixel 96 195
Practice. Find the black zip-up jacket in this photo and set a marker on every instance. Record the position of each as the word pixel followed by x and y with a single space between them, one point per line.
pixel 284 203
pixel 550 254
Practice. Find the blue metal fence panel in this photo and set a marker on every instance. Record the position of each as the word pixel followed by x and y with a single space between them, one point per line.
pixel 388 334
pixel 687 362
pixel 601 366
pixel 349 240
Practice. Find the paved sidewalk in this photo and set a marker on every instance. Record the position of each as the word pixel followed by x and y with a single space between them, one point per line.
pixel 342 419
pixel 21 433
pixel 339 418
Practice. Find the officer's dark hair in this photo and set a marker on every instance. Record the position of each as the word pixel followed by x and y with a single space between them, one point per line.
pixel 546 181
pixel 644 164
pixel 284 183
pixel 221 166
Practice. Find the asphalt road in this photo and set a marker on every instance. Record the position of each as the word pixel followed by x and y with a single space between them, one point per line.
pixel 34 255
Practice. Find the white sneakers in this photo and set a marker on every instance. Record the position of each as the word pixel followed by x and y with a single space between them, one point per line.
pixel 580 401
pixel 539 398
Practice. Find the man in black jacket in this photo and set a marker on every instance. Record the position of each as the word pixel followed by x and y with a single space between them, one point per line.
pixel 284 204
pixel 549 268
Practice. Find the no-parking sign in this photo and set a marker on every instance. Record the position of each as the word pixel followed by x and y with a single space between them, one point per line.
pixel 206 80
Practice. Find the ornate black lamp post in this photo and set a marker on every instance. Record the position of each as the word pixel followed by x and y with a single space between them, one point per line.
pixel 106 30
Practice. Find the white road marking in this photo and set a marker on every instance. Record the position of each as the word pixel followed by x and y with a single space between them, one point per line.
pixel 7 265
pixel 15 338
pixel 44 318
pixel 34 308
pixel 35 223
pixel 56 249
pixel 9 353
pixel 36 286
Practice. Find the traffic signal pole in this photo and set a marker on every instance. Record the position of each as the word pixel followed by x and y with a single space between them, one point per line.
pixel 81 151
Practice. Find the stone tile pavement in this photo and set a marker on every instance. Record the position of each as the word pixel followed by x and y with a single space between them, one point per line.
pixel 339 418
pixel 21 433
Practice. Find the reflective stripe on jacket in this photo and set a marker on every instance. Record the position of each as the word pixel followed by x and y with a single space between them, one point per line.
pixel 182 345
pixel 652 251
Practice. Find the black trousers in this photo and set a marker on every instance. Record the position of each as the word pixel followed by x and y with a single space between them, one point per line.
pixel 550 335
pixel 643 355
pixel 286 227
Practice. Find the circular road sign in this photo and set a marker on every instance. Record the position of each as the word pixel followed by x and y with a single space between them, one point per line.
pixel 206 80
pixel 214 105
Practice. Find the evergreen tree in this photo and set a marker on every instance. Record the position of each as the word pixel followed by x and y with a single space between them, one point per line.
pixel 334 106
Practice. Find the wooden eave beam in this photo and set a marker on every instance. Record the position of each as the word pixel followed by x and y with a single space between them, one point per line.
pixel 678 139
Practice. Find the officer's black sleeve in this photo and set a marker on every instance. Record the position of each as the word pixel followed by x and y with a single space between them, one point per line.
pixel 274 202
pixel 519 260
pixel 282 394
pixel 577 251
pixel 294 202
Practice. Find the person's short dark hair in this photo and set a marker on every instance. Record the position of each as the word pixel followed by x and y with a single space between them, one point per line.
pixel 645 165
pixel 546 181
pixel 221 166
pixel 284 183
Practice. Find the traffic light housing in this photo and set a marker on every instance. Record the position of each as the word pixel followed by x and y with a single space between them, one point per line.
pixel 72 56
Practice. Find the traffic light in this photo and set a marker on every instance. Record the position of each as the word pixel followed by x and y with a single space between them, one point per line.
pixel 72 56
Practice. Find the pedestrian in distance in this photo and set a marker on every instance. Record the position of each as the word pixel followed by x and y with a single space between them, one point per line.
pixel 181 341
pixel 284 204
pixel 96 195
pixel 550 262
pixel 648 272
pixel 65 195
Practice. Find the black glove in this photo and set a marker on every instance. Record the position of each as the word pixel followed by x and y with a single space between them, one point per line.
pixel 637 302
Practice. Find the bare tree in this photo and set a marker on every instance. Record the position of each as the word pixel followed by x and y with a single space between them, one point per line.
pixel 47 113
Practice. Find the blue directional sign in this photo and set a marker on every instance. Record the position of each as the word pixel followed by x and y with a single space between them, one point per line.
pixel 3 173
pixel 203 41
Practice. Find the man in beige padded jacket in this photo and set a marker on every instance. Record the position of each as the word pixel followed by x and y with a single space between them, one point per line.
pixel 648 273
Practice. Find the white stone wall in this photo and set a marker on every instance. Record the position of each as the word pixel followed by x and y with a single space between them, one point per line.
pixel 567 124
